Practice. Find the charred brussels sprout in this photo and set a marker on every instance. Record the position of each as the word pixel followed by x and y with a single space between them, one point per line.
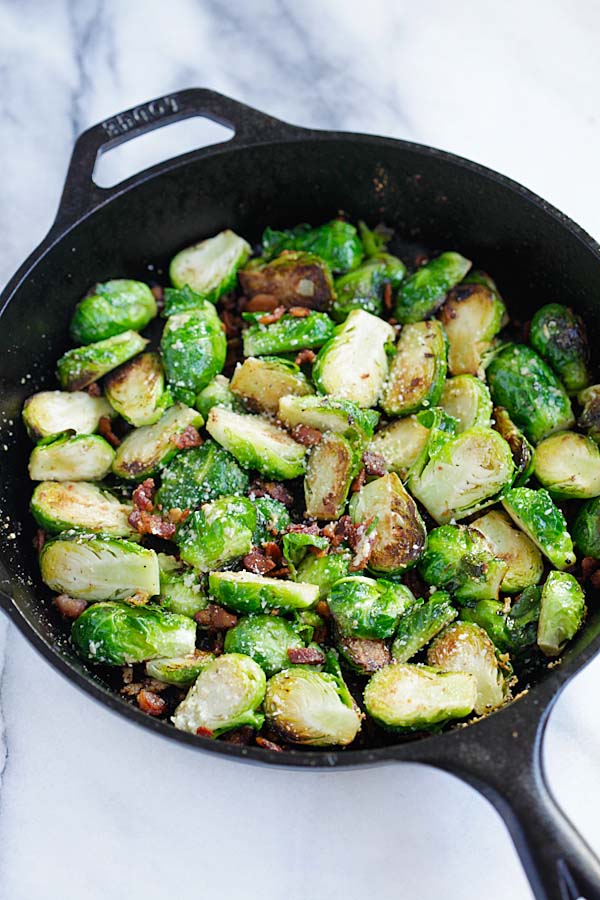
pixel 535 514
pixel 420 624
pixel 559 335
pixel 324 571
pixel 257 443
pixel 137 390
pixel 417 371
pixel 336 242
pixel 226 695
pixel 561 613
pixel 425 290
pixel 193 348
pixel 328 414
pixel 79 367
pixel 472 315
pixel 400 444
pixel 306 707
pixel 180 671
pixel 53 412
pixel 460 559
pixel 365 608
pixel 589 419
pixel 85 457
pixel 406 697
pixel 363 287
pixel 287 335
pixel 401 533
pixel 465 647
pixel 66 505
pixel 244 592
pixel 119 634
pixel 210 267
pixel 261 383
pixel 112 308
pixel 363 655
pixel 524 560
pixel 198 476
pixel 146 449
pixel 332 466
pixel 567 464
pixel 99 567
pixel 522 451
pixel 467 400
pixel 353 365
pixel 181 590
pixel 586 529
pixel 266 639
pixel 218 533
pixel 293 278
pixel 528 389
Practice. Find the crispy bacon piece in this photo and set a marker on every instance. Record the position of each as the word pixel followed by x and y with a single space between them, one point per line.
pixel 178 516
pixel 215 618
pixel 299 312
pixel 39 539
pixel 143 496
pixel 148 523
pixel 266 744
pixel 301 528
pixel 204 732
pixel 243 736
pixel 189 437
pixel 374 463
pixel 140 598
pixel 105 429
pixel 305 356
pixel 272 489
pixel 282 572
pixel 307 656
pixel 272 550
pixel 322 609
pixel 159 295
pixel 261 303
pixel 359 481
pixel 273 317
pixel 93 389
pixel 69 607
pixel 151 703
pixel 306 435
pixel 257 562
pixel 387 296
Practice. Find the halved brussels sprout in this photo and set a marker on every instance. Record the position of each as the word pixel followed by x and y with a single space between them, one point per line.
pixel 420 624
pixel 400 444
pixel 363 655
pixel 586 529
pixel 401 534
pixel 328 414
pixel 336 242
pixel 218 533
pixel 294 278
pixel 65 505
pixel 567 464
pixel 287 335
pixel 589 419
pixel 84 457
pixel 54 412
pixel 81 366
pixel 407 697
pixel 181 590
pixel 332 465
pixel 459 559
pixel 324 571
pixel 561 613
pixel 112 308
pixel 472 315
pixel 514 632
pixel 306 707
pixel 467 399
pixel 353 365
pixel 136 390
pixel 99 567
pixel 244 592
pixel 425 290
pixel 180 671
pixel 266 639
pixel 217 393
pixel 193 347
pixel 417 371
pixel 119 634
pixel 524 560
pixel 263 382
pixel 522 451
pixel 528 389
pixel 210 267
pixel 535 513
pixel 363 287
pixel 558 334
pixel 296 544
pixel 257 443
pixel 146 449
pixel 226 695
pixel 465 647
pixel 272 519
pixel 365 608
pixel 198 476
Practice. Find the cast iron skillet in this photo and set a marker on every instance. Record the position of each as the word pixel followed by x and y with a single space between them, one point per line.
pixel 272 173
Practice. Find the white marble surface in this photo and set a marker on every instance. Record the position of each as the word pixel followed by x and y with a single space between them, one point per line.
pixel 91 807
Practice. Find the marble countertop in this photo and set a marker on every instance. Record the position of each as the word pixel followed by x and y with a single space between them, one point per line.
pixel 91 807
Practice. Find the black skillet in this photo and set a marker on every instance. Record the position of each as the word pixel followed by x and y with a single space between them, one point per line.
pixel 272 173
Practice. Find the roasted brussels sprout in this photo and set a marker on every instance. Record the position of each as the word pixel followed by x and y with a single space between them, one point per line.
pixel 589 418
pixel 524 560
pixel 465 647
pixel 324 571
pixel 181 590
pixel 84 457
pixel 193 347
pixel 460 559
pixel 266 639
pixel 307 707
pixel 336 242
pixel 54 412
pixel 146 449
pixel 244 592
pixel 515 631
pixel 363 287
pixel 363 655
pixel 365 608
pixel 261 383
pixel 79 367
pixel 217 534
pixel 586 529
pixel 294 278
pixel 561 614
pixel 542 521
pixel 328 414
pixel 112 308
pixel 99 567
pixel 522 451
pixel 226 695
pixel 217 393
pixel 353 365
pixel 198 476
pixel 180 671
pixel 210 267
pixel 296 544
pixel 400 444
pixel 119 634
pixel 425 290
pixel 558 334
pixel 401 534
pixel 287 334
pixel 137 392
pixel 472 315
pixel 66 505
pixel 420 624
pixel 272 519
pixel 332 466
pixel 417 371
pixel 567 464
pixel 528 389
pixel 467 399
pixel 406 697
pixel 257 443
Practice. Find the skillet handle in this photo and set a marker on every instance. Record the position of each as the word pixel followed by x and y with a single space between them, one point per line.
pixel 80 193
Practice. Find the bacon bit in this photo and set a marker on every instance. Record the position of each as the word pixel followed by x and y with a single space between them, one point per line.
pixel 93 389
pixel 218 643
pixel 359 481
pixel 299 312
pixel 215 618
pixel 282 572
pixel 178 516
pixel 374 463
pixel 272 550
pixel 39 540
pixel 338 532
pixel 147 523
pixel 151 703
pixel 159 295
pixel 322 609
pixel 69 607
pixel 305 356
pixel 132 689
pixel 140 598
pixel 151 684
pixel 304 529
pixel 318 551
pixel 261 303
pixel 595 579
pixel 204 732
pixel 243 736
pixel 229 323
pixel 588 566
pixel 307 656
pixel 272 317
pixel 272 489
pixel 421 259
pixel 268 745
pixel 387 296
pixel 105 429
pixel 189 437
pixel 257 562
pixel 143 496
pixel 306 435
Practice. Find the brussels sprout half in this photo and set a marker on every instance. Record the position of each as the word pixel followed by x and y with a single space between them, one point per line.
pixel 79 367
pixel 266 639
pixel 193 347
pixel 400 444
pixel 261 383
pixel 363 655
pixel 198 476
pixel 365 608
pixel 53 412
pixel 289 334
pixel 324 571
pixel 296 544
pixel 112 308
pixel 472 315
pixel 522 451
pixel 417 371
pixel 293 279
pixel 524 560
pixel 77 505
pixel 542 521
pixel 180 671
pixel 218 533
pixel 586 529
pixel 425 290
pixel 136 390
pixel 460 559
pixel 217 393
pixel 84 457
pixel 181 590
pixel 559 335
pixel 328 414
pixel 467 399
pixel 257 443
pixel 561 614
pixel 244 592
pixel 146 449
pixel 420 624
pixel 210 267
pixel 363 287
pixel 589 418
pixel 336 242
pixel 332 465
pixel 567 464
